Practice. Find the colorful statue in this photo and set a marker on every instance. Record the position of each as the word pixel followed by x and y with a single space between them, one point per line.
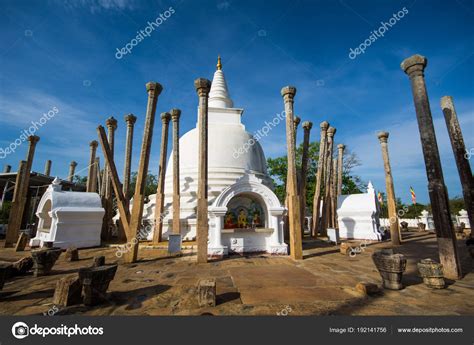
pixel 242 219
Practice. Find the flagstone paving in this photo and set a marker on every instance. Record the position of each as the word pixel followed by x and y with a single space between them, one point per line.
pixel 321 284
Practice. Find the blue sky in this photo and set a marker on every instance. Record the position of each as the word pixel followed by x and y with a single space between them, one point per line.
pixel 62 54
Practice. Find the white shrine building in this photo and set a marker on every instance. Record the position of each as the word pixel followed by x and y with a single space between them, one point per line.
pixel 244 213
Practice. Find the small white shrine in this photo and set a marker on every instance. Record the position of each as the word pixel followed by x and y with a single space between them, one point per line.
pixel 427 219
pixel 463 218
pixel 358 216
pixel 244 213
pixel 68 218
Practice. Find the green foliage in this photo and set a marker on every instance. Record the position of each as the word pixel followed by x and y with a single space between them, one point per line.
pixel 5 212
pixel 456 204
pixel 150 187
pixel 79 179
pixel 277 169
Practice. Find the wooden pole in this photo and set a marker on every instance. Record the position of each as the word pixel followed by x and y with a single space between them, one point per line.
pixel 448 254
pixel 11 236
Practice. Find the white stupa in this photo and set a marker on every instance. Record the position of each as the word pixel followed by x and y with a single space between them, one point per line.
pixel 244 213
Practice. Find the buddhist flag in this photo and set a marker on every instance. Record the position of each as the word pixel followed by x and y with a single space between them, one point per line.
pixel 379 196
pixel 413 195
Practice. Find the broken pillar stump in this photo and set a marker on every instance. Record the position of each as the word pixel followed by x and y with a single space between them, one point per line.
pixel 391 267
pixel 95 282
pixel 68 291
pixel 98 261
pixel 404 226
pixel 432 273
pixel 367 289
pixel 72 254
pixel 207 293
pixel 44 260
pixel 22 266
pixel 22 242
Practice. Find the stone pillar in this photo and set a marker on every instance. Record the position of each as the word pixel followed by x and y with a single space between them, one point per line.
pixel 294 213
pixel 11 237
pixel 296 123
pixel 130 119
pixel 202 88
pixel 414 66
pixel 93 145
pixel 160 195
pixel 72 170
pixel 23 182
pixel 307 125
pixel 333 220
pixel 340 162
pixel 319 178
pixel 111 124
pixel 175 114
pixel 326 212
pixel 153 90
pixel 95 175
pixel 107 203
pixel 459 150
pixel 47 168
pixel 7 168
pixel 391 200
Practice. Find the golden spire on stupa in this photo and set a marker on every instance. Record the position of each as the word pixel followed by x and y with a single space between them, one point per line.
pixel 219 63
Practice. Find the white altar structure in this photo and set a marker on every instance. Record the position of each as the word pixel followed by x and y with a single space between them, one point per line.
pixel 358 216
pixel 68 218
pixel 427 219
pixel 244 213
pixel 463 218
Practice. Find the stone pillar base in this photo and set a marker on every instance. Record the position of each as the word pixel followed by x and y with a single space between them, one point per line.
pixel 279 249
pixel 217 252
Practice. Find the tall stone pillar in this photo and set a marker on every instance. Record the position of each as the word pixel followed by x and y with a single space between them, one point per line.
pixel 72 170
pixel 203 87
pixel 153 89
pixel 175 114
pixel 340 162
pixel 459 150
pixel 391 200
pixel 319 178
pixel 294 213
pixel 95 175
pixel 111 124
pixel 130 119
pixel 414 66
pixel 326 212
pixel 160 193
pixel 47 168
pixel 7 168
pixel 307 125
pixel 23 182
pixel 11 236
pixel 93 145
pixel 333 220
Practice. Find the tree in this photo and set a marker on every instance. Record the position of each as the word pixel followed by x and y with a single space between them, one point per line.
pixel 277 169
pixel 150 187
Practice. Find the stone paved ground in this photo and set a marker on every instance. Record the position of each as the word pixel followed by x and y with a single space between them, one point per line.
pixel 322 284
